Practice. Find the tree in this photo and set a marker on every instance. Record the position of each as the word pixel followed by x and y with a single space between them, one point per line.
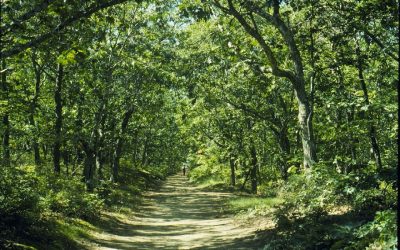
pixel 296 77
pixel 5 121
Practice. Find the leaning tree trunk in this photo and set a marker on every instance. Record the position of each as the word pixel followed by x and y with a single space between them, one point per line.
pixel 119 143
pixel 371 129
pixel 296 77
pixel 58 125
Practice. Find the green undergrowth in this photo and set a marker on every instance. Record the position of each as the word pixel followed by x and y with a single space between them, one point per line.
pixel 252 205
pixel 49 233
pixel 40 210
pixel 211 184
pixel 318 209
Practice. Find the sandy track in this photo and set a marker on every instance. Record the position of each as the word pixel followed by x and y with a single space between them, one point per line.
pixel 178 216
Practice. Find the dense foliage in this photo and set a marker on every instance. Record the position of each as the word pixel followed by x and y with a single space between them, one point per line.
pixel 289 99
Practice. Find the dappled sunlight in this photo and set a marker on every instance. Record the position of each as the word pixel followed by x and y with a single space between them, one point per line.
pixel 178 216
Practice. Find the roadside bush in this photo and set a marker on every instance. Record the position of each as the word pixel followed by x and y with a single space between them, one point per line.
pixel 269 189
pixel 70 198
pixel 19 203
pixel 326 209
pixel 200 173
pixel 18 193
pixel 105 191
pixel 379 233
pixel 311 194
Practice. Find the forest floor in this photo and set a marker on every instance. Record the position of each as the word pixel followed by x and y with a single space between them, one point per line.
pixel 177 216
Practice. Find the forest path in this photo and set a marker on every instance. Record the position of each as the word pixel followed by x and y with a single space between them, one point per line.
pixel 178 216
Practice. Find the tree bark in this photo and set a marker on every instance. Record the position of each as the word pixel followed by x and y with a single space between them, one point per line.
pixel 119 144
pixel 89 169
pixel 296 78
pixel 65 156
pixel 254 167
pixel 371 129
pixel 99 163
pixel 232 166
pixel 78 129
pixel 91 149
pixel 144 153
pixel 58 124
pixel 284 146
pixel 6 121
pixel 35 144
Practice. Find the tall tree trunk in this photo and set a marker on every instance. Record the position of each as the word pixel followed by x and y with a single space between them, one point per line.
pixel 306 128
pixel 119 144
pixel 135 147
pixel 89 169
pixel 58 124
pixel 233 175
pixel 78 130
pixel 254 167
pixel 246 178
pixel 296 77
pixel 6 120
pixel 115 162
pixel 144 153
pixel 352 145
pixel 45 152
pixel 35 144
pixel 89 164
pixel 371 129
pixel 99 163
pixel 91 148
pixel 66 160
pixel 284 146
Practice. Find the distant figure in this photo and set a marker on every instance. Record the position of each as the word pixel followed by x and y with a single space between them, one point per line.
pixel 184 170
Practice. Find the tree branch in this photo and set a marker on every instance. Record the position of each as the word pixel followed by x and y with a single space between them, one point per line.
pixel 28 15
pixel 381 45
pixel 256 35
pixel 287 36
pixel 20 47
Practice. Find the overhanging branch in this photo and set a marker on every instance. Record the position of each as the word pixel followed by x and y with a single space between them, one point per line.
pixel 20 47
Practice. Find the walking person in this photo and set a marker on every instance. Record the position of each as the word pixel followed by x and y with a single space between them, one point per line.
pixel 184 170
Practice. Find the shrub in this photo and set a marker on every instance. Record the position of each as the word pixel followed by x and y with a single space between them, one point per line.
pixel 379 233
pixel 19 203
pixel 310 217
pixel 18 193
pixel 70 198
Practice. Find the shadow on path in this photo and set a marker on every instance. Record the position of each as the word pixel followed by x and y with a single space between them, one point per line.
pixel 178 216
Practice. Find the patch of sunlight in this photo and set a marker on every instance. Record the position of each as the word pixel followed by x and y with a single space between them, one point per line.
pixel 212 184
pixel 74 228
pixel 239 204
pixel 22 246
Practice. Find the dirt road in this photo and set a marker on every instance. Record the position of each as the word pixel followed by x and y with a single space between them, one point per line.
pixel 178 216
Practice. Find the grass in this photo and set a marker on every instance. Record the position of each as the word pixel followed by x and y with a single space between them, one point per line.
pixel 248 204
pixel 74 228
pixel 242 203
pixel 50 230
pixel 51 233
pixel 210 184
